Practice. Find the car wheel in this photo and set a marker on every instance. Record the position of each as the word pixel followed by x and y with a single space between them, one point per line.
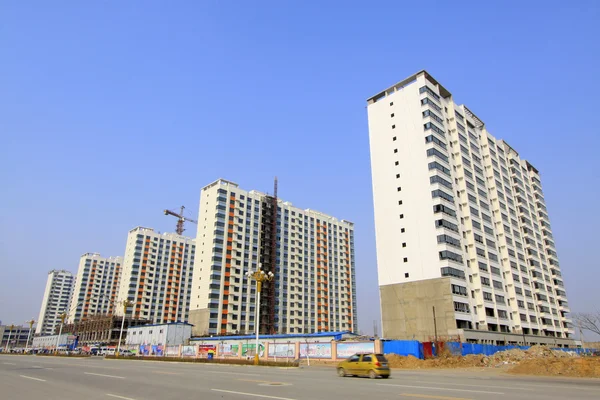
pixel 372 374
pixel 341 372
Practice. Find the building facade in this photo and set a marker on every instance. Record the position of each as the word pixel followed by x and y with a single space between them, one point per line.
pixel 157 275
pixel 311 255
pixel 176 333
pixel 56 301
pixel 15 336
pixel 101 329
pixel 464 243
pixel 96 286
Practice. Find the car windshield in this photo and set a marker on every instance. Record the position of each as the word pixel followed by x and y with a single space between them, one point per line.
pixel 380 357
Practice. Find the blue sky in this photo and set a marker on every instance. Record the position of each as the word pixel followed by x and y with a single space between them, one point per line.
pixel 112 111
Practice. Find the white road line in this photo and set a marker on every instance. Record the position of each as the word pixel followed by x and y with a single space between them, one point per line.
pixel 31 377
pixel 119 397
pixel 252 394
pixel 231 373
pixel 106 376
pixel 440 388
pixel 462 384
pixel 9 363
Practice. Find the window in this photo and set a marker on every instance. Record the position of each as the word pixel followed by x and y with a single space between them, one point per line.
pixel 367 358
pixel 402 230
pixel 393 126
pixel 392 115
pixel 394 138
pixel 431 138
pixel 487 296
pixel 406 274
pixel 439 167
pixel 440 193
pixel 405 259
pixel 440 180
pixel 448 240
pixel 461 307
pixel 404 244
pixel 449 271
pixel 401 216
pixel 439 208
pixel 395 150
pixel 449 255
pixel 399 188
pixel 435 152
pixel 442 223
pixel 459 290
pixel 397 176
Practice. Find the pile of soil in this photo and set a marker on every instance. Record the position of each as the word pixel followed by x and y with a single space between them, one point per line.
pixel 584 367
pixel 537 360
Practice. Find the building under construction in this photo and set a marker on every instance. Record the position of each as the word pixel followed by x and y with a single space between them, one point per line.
pixel 101 329
pixel 311 255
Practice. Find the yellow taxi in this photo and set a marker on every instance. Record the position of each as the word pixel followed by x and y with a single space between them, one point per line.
pixel 365 364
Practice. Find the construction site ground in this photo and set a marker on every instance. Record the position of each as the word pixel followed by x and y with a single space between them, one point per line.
pixel 538 360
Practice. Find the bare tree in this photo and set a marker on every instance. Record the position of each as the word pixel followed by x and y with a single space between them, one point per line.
pixel 588 321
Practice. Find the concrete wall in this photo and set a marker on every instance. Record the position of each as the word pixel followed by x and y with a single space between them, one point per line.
pixel 199 318
pixel 407 310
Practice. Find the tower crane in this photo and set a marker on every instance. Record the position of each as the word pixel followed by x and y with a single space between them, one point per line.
pixel 180 219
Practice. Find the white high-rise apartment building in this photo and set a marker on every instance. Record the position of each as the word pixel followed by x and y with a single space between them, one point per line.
pixel 314 286
pixel 463 235
pixel 57 299
pixel 96 286
pixel 157 275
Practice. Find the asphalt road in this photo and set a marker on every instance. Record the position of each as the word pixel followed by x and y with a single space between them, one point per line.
pixel 31 377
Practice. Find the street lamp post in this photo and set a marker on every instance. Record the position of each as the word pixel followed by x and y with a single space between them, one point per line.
pixel 29 334
pixel 126 304
pixel 62 321
pixel 12 326
pixel 259 276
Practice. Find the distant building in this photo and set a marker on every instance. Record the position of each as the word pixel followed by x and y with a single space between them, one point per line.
pixel 314 288
pixel 96 286
pixel 157 275
pixel 56 301
pixel 161 334
pixel 18 336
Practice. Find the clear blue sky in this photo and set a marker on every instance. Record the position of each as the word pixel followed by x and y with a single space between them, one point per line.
pixel 111 111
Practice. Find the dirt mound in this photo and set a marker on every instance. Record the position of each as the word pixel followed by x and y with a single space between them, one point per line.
pixel 537 360
pixel 582 367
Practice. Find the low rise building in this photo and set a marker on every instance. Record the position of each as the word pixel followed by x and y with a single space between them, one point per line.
pixel 17 335
pixel 102 329
pixel 173 334
pixel 51 341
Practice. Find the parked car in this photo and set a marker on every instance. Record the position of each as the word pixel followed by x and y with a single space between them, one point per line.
pixel 126 353
pixel 368 364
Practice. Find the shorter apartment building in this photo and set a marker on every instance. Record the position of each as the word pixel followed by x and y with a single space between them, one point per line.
pixel 56 301
pixel 96 286
pixel 157 275
pixel 172 334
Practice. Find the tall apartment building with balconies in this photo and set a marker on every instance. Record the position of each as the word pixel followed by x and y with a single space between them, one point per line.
pixel 157 275
pixel 314 285
pixel 96 286
pixel 464 244
pixel 57 300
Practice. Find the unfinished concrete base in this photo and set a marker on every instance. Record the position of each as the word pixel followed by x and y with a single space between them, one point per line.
pixel 407 310
pixel 199 318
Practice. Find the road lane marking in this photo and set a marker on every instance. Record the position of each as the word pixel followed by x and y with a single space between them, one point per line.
pixel 252 394
pixel 119 397
pixel 9 363
pixel 463 384
pixel 426 396
pixel 440 388
pixel 31 377
pixel 166 372
pixel 231 373
pixel 106 376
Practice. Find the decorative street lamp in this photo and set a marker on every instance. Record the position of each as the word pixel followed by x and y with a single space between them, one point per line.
pixel 126 304
pixel 29 334
pixel 259 276
pixel 11 327
pixel 62 321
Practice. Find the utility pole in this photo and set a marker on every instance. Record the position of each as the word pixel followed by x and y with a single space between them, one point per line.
pixel 435 326
pixel 29 334
pixel 375 328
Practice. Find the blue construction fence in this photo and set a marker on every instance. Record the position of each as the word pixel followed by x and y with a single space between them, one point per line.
pixel 420 350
